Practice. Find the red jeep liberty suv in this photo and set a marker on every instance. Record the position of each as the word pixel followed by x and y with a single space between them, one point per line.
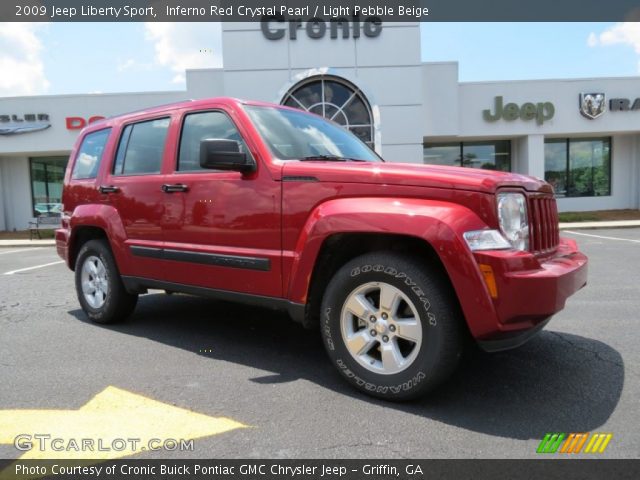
pixel 272 206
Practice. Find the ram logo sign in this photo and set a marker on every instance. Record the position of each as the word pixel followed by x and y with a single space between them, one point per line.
pixel 574 443
pixel 592 105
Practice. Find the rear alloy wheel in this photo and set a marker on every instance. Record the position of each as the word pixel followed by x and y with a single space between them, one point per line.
pixel 392 328
pixel 95 286
pixel 98 284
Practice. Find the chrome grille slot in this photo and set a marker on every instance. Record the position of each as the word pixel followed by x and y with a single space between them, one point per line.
pixel 543 219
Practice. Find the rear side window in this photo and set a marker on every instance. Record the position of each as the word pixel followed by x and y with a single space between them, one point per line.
pixel 90 154
pixel 201 126
pixel 141 148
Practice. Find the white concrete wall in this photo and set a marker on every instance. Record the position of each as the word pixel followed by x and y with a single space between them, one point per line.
pixel 440 113
pixel 205 83
pixel 528 155
pixel 387 68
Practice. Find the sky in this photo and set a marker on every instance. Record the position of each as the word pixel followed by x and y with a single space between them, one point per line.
pixel 69 58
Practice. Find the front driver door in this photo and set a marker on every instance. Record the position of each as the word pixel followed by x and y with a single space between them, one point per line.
pixel 221 229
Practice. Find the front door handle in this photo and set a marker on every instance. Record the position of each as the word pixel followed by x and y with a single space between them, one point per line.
pixel 176 187
pixel 109 189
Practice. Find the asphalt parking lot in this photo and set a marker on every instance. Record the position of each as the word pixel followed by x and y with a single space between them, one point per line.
pixel 256 368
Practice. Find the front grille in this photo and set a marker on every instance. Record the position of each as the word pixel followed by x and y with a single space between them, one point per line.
pixel 544 234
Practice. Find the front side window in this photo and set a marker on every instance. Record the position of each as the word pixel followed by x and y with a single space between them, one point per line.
pixel 141 148
pixel 295 135
pixel 487 155
pixel 90 154
pixel 205 126
pixel 578 167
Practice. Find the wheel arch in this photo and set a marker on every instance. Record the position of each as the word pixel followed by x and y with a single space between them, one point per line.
pixel 340 248
pixel 92 222
pixel 341 229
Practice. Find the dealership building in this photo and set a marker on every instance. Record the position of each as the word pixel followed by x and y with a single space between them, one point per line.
pixel 582 135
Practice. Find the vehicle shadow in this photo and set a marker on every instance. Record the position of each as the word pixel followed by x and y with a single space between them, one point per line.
pixel 557 382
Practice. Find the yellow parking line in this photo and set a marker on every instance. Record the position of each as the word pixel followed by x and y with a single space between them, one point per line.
pixel 109 419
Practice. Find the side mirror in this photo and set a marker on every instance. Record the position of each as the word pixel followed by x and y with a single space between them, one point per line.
pixel 220 154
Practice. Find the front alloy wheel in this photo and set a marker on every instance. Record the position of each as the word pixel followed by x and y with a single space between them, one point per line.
pixel 381 328
pixel 391 325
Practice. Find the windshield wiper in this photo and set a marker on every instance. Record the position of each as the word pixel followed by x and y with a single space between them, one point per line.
pixel 329 158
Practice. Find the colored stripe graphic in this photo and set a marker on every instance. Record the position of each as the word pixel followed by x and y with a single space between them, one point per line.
pixel 598 443
pixel 550 443
pixel 574 442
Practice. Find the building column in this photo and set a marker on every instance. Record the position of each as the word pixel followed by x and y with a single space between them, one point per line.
pixel 530 156
pixel 3 190
pixel 635 163
pixel 16 193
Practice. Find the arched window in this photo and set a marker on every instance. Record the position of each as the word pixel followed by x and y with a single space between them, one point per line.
pixel 337 100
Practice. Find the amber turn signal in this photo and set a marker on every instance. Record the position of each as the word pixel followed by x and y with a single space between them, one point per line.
pixel 489 279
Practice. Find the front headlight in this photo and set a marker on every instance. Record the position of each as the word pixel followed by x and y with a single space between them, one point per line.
pixel 513 219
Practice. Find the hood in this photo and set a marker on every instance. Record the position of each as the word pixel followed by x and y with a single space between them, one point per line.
pixel 408 174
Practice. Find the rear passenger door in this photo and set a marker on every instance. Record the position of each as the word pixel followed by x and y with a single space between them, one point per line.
pixel 134 187
pixel 222 228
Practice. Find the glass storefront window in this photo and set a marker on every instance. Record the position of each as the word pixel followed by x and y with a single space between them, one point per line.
pixel 47 174
pixel 579 167
pixel 442 154
pixel 488 155
pixel 555 165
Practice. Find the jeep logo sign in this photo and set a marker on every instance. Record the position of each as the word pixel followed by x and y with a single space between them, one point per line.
pixel 273 27
pixel 540 111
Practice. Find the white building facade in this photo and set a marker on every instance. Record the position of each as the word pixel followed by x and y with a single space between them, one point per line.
pixel 582 135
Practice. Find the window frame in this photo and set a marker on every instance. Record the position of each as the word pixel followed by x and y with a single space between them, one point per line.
pixel 72 178
pixel 121 133
pixel 567 170
pixel 356 92
pixel 185 114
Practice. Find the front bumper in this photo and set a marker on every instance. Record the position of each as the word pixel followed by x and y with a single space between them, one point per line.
pixel 530 290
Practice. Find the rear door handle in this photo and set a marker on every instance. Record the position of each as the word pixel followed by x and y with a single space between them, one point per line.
pixel 176 187
pixel 109 189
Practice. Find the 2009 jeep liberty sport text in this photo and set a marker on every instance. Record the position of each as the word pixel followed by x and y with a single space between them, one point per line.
pixel 395 263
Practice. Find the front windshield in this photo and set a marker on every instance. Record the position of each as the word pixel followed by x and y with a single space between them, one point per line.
pixel 294 135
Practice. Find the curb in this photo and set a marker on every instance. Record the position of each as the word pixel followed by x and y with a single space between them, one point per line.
pixel 27 243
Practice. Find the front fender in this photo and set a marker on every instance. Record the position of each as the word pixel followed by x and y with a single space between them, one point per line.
pixel 104 217
pixel 441 224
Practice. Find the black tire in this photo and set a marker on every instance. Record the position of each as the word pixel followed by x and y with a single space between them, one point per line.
pixel 118 303
pixel 441 334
